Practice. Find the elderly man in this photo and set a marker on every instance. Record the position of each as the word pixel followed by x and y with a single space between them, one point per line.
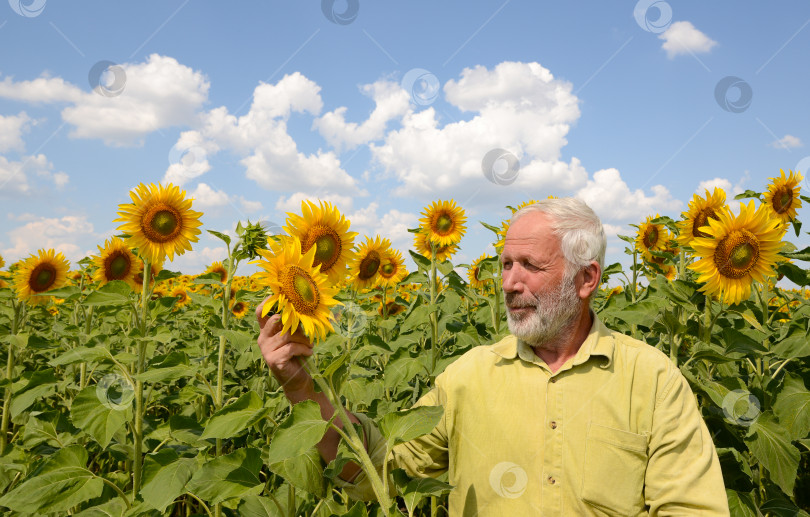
pixel 564 416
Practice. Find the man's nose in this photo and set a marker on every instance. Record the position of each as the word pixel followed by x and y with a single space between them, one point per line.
pixel 509 281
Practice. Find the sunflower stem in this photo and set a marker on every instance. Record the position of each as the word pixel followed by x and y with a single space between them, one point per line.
pixel 708 321
pixel 15 321
pixel 223 341
pixel 139 410
pixel 434 322
pixel 497 323
pixel 354 441
pixel 88 320
pixel 673 348
pixel 633 327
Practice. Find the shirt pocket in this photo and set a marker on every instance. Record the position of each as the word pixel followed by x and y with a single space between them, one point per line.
pixel 615 464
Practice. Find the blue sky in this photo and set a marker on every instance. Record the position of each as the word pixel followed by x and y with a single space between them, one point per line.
pixel 253 106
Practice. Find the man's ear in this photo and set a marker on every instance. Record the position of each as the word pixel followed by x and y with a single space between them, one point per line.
pixel 588 280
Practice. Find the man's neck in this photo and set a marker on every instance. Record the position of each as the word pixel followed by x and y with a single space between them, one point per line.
pixel 558 351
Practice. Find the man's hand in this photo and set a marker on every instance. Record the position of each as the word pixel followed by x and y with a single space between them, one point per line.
pixel 281 351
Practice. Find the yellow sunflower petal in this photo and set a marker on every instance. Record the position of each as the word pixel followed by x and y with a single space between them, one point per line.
pixel 160 221
pixel 782 197
pixel 40 273
pixel 116 261
pixel 737 251
pixel 301 293
pixel 443 223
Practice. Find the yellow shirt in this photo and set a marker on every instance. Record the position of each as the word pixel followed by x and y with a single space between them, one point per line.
pixel 615 431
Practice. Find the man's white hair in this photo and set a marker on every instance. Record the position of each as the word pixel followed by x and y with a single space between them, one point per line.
pixel 579 229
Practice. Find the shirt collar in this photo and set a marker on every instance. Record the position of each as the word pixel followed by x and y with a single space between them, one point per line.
pixel 598 342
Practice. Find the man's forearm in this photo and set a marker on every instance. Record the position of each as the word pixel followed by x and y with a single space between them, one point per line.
pixel 328 445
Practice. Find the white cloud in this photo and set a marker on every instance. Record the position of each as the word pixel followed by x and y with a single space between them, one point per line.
pixel 610 197
pixel 195 261
pixel 158 93
pixel 519 107
pixel 391 102
pixel 393 225
pixel 710 185
pixel 787 142
pixel 722 183
pixel 269 154
pixel 205 197
pixel 60 179
pixel 292 203
pixel 684 38
pixel 188 158
pixel 41 90
pixel 15 175
pixel 12 128
pixel 250 206
pixel 64 234
pixel 612 230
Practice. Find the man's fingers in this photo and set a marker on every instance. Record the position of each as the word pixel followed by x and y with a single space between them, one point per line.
pixel 271 326
pixel 262 319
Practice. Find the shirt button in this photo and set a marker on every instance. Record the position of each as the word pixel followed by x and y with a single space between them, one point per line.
pixel 551 480
pixel 552 424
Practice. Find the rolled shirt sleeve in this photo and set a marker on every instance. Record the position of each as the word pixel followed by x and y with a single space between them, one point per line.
pixel 425 456
pixel 683 472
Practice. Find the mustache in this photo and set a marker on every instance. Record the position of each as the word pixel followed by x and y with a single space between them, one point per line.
pixel 514 301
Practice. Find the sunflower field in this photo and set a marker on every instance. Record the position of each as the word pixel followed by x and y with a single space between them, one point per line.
pixel 132 390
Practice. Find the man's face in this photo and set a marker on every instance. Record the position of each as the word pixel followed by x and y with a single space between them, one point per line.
pixel 541 302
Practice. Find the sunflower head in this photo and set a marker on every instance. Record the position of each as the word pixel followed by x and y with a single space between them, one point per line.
pixel 782 197
pixel 652 236
pixel 115 261
pixel 738 251
pixel 182 296
pixel 523 205
pixel 159 221
pixel 423 247
pixel 392 268
pixel 474 273
pixel 217 267
pixel 239 309
pixel 40 273
pixel 701 209
pixel 659 265
pixel 365 266
pixel 300 292
pixel 443 223
pixel 323 228
pixel 155 268
pixel 501 234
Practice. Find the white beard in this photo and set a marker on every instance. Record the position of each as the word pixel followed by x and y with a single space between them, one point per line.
pixel 555 312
